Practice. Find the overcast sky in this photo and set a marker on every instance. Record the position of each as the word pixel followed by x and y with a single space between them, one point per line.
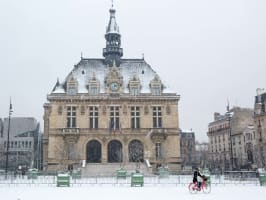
pixel 207 51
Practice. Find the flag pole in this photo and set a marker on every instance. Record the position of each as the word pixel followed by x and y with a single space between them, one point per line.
pixel 8 130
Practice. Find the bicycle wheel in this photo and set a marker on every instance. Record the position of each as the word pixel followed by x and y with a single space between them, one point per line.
pixel 206 188
pixel 192 188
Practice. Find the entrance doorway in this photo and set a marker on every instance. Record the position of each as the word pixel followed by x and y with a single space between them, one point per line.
pixel 115 153
pixel 135 151
pixel 94 151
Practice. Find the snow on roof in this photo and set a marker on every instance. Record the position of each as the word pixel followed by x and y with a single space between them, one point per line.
pixel 86 69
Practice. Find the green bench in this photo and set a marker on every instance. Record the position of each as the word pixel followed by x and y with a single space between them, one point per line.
pixel 137 179
pixel 121 173
pixel 32 174
pixel 76 174
pixel 163 172
pixel 262 178
pixel 63 180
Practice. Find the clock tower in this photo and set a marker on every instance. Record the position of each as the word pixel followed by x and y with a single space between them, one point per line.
pixel 112 52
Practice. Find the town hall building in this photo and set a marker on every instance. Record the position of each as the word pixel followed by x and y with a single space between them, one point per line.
pixel 109 111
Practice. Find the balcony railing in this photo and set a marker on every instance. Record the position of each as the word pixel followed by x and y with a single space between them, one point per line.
pixel 70 130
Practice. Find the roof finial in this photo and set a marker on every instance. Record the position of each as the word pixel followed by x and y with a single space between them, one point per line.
pixel 112 1
pixel 227 107
pixel 142 56
pixel 81 55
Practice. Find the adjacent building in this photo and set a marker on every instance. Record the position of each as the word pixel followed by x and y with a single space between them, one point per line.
pixel 24 143
pixel 227 139
pixel 111 110
pixel 260 128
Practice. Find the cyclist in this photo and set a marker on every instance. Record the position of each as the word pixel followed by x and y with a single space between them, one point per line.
pixel 197 177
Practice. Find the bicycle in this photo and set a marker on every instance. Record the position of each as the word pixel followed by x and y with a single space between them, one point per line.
pixel 194 188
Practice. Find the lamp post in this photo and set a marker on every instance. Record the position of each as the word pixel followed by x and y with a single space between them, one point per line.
pixel 8 129
pixel 230 139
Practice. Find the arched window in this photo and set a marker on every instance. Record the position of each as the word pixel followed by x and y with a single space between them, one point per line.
pixel 115 153
pixel 94 151
pixel 135 151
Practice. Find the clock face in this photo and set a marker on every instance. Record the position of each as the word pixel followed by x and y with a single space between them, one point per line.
pixel 114 86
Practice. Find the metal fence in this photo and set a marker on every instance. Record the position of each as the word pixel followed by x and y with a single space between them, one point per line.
pixel 171 180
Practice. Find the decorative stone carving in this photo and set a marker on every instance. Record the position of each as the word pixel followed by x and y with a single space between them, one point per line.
pixel 168 110
pixel 146 110
pixel 82 110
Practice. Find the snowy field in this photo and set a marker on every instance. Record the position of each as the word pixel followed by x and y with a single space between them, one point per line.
pixel 136 193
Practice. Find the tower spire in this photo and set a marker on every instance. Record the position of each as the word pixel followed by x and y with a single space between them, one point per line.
pixel 112 51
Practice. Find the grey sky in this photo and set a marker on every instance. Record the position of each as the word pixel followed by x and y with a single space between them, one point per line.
pixel 208 51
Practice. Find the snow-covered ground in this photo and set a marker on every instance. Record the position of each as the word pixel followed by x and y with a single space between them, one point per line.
pixel 130 193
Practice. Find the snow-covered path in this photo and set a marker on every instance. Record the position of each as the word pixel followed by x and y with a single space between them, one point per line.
pixel 136 193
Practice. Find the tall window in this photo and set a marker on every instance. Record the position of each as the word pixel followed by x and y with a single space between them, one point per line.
pixel 135 117
pixel 157 117
pixel 93 117
pixel 71 117
pixel 158 151
pixel 114 117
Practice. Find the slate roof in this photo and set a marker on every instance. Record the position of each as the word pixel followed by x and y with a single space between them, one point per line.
pixel 128 68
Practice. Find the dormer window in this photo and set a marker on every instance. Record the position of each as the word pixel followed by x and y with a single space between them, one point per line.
pixel 72 90
pixel 134 86
pixel 134 90
pixel 94 90
pixel 156 86
pixel 156 90
pixel 94 86
pixel 72 86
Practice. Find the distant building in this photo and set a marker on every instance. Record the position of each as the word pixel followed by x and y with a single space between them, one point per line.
pixel 226 139
pixel 201 154
pixel 24 143
pixel 187 148
pixel 260 128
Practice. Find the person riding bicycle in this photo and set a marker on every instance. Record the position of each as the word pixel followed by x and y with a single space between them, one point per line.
pixel 197 177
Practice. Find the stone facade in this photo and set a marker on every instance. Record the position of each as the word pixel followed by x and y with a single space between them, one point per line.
pixel 226 138
pixel 111 110
pixel 260 128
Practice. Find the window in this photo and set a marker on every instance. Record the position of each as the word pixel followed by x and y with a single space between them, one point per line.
pixel 72 90
pixel 135 117
pixel 158 151
pixel 134 90
pixel 114 117
pixel 93 117
pixel 157 117
pixel 30 144
pixel 71 117
pixel 94 90
pixel 156 90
